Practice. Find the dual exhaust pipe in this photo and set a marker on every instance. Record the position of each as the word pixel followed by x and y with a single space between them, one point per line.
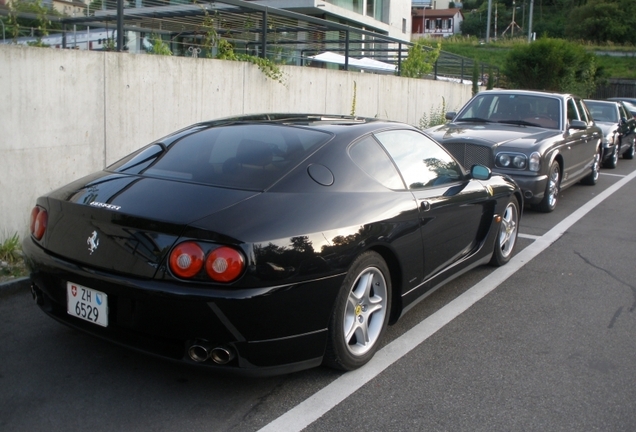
pixel 201 351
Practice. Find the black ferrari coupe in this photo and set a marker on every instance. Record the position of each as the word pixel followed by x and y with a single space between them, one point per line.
pixel 266 244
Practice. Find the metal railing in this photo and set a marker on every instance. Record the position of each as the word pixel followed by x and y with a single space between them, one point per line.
pixel 285 37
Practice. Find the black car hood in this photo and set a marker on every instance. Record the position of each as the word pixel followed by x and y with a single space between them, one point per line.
pixel 128 223
pixel 492 134
pixel 607 127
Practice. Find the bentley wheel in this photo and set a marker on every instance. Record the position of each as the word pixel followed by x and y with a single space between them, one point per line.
pixel 361 313
pixel 592 177
pixel 551 196
pixel 613 160
pixel 507 237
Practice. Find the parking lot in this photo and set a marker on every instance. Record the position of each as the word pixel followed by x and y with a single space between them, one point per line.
pixel 544 343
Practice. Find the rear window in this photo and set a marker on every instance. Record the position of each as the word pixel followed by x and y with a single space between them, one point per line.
pixel 603 111
pixel 235 156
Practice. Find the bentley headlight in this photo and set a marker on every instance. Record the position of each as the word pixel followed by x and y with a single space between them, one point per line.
pixel 535 162
pixel 511 160
pixel 609 138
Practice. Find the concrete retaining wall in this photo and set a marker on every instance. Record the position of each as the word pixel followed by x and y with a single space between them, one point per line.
pixel 67 113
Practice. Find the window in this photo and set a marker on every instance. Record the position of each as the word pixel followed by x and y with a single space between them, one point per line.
pixel 249 157
pixel 374 161
pixel 422 162
pixel 539 110
pixel 403 25
pixel 583 113
pixel 572 113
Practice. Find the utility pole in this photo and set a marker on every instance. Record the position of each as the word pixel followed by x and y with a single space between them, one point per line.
pixel 488 21
pixel 120 25
pixel 530 21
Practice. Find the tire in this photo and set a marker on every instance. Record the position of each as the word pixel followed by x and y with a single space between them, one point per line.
pixel 551 195
pixel 592 177
pixel 507 235
pixel 612 161
pixel 360 314
pixel 629 154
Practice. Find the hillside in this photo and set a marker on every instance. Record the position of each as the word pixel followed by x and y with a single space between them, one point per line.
pixel 617 62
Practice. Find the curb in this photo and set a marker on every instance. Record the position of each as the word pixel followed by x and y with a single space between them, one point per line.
pixel 14 285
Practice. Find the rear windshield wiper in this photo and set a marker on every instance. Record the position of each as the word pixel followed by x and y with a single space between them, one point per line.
pixel 473 119
pixel 519 122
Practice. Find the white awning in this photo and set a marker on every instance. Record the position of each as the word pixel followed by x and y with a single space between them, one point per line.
pixel 364 63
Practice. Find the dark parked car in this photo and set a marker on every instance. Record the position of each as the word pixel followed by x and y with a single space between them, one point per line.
pixel 618 129
pixel 630 104
pixel 544 141
pixel 266 243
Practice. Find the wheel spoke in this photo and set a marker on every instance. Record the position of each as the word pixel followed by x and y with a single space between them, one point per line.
pixel 508 230
pixel 365 311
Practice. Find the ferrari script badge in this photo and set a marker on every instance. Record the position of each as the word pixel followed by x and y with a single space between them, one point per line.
pixel 92 242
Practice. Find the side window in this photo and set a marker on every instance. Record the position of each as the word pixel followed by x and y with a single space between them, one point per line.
pixel 374 161
pixel 421 161
pixel 583 113
pixel 622 112
pixel 572 114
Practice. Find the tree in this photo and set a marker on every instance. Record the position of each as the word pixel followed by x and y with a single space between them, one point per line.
pixel 552 65
pixel 491 79
pixel 39 26
pixel 421 58
pixel 475 77
pixel 603 21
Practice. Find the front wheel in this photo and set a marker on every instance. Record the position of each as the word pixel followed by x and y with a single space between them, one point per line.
pixel 613 160
pixel 592 177
pixel 551 195
pixel 507 236
pixel 361 313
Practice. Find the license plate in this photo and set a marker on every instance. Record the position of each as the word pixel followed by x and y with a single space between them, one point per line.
pixel 87 304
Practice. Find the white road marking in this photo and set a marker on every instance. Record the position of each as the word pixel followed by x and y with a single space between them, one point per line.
pixel 528 236
pixel 311 409
pixel 613 175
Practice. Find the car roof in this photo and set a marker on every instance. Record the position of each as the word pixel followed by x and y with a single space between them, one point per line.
pixel 527 92
pixel 332 123
pixel 604 102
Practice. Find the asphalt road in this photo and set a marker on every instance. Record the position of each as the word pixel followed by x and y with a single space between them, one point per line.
pixel 551 347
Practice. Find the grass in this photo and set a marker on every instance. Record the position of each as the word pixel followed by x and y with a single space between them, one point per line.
pixel 11 260
pixel 495 53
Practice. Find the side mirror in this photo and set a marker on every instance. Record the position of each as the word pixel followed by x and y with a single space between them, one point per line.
pixel 450 115
pixel 480 172
pixel 578 124
pixel 623 121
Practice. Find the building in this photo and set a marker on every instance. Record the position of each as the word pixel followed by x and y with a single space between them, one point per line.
pixel 389 17
pixel 436 22
pixel 69 7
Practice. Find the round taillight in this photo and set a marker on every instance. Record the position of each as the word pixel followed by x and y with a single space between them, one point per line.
pixel 224 264
pixel 39 219
pixel 186 260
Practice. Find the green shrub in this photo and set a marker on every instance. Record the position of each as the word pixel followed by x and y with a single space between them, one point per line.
pixel 552 65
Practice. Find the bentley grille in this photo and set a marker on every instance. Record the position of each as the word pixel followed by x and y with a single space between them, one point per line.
pixel 470 154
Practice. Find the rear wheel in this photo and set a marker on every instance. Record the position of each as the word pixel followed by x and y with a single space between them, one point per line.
pixel 551 195
pixel 592 177
pixel 361 313
pixel 507 237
